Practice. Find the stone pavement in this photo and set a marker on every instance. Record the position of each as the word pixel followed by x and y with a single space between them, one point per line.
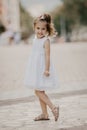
pixel 19 106
pixel 19 114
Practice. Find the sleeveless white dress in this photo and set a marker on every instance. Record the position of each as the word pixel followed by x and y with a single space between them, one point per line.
pixel 34 77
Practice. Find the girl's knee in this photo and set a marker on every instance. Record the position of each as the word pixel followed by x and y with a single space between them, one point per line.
pixel 38 92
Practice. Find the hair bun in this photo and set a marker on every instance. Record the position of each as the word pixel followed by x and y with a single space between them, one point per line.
pixel 47 17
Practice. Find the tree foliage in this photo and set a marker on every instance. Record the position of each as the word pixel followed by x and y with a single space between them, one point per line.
pixel 73 12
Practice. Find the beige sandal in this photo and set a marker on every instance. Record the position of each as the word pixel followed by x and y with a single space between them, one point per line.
pixel 55 112
pixel 41 118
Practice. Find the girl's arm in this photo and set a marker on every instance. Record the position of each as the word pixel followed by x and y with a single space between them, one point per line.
pixel 47 57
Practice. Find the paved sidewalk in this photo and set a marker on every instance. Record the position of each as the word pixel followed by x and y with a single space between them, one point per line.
pixel 19 114
pixel 19 106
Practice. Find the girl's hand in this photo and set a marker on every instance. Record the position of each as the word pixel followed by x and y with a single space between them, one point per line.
pixel 46 73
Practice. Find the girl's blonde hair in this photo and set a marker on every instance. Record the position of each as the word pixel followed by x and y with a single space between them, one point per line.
pixel 50 26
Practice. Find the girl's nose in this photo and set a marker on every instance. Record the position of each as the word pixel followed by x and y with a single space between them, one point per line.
pixel 40 31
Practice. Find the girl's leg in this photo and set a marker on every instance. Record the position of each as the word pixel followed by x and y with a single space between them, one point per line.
pixel 46 100
pixel 43 106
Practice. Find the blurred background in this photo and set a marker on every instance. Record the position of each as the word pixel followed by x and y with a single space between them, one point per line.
pixel 16 19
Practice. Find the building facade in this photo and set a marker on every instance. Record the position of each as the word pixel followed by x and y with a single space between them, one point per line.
pixel 9 11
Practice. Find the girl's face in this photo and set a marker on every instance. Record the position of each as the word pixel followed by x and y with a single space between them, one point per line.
pixel 40 29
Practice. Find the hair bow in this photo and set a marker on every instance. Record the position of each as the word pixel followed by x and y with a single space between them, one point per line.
pixel 42 17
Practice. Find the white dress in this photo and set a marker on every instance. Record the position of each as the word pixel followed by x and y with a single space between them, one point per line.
pixel 34 77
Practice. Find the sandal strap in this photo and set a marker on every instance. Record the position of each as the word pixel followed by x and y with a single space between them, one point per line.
pixel 55 112
pixel 41 117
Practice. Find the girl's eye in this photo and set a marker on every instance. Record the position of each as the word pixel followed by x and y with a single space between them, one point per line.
pixel 38 28
pixel 43 29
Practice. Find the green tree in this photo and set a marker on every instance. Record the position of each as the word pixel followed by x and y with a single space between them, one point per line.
pixel 73 12
pixel 76 9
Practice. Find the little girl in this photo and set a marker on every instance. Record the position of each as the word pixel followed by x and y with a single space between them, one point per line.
pixel 40 73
